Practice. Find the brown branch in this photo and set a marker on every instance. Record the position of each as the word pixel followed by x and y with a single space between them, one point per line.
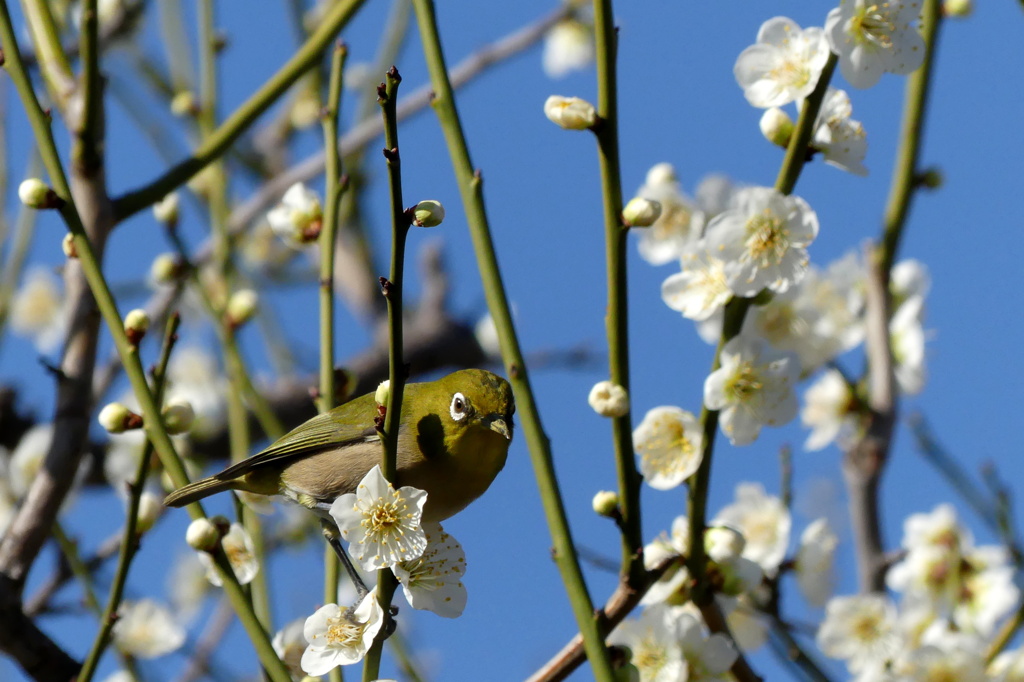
pixel 618 606
pixel 864 462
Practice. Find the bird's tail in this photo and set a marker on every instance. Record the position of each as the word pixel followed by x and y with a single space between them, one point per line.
pixel 194 492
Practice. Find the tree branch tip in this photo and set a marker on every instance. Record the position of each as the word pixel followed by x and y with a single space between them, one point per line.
pixel 391 154
pixel 394 75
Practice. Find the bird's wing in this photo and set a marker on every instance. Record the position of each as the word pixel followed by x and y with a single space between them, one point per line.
pixel 346 424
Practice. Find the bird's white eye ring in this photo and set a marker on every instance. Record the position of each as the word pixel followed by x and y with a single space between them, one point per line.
pixel 458 407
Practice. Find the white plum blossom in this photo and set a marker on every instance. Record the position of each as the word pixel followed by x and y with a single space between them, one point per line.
pixel 1008 666
pixel 909 279
pixel 570 113
pixel 815 570
pixel 146 629
pixel 654 640
pixel 764 522
pixel 872 38
pixel 860 629
pixel 568 47
pixel 668 444
pixel 783 65
pixel 241 553
pixel 763 241
pixel 669 587
pixel 39 310
pixel 944 573
pixel 700 289
pixel 289 644
pixel 340 637
pixel 818 318
pixel 747 624
pixel 679 224
pixel 715 194
pixel 381 524
pixel 943 655
pixel 906 328
pixel 194 377
pixel 839 138
pixel 28 457
pixel 708 658
pixel 608 399
pixel 299 217
pixel 752 387
pixel 434 580
pixel 829 411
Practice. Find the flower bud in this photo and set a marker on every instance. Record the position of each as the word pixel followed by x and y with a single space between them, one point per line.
pixel 606 503
pixel 299 218
pixel 166 210
pixel 178 416
pixel 166 269
pixel 136 324
pixel 150 508
pixel 427 213
pixel 931 178
pixel 184 104
pixel 571 113
pixel 67 245
pixel 383 392
pixel 35 193
pixel 663 173
pixel 242 306
pixel 777 126
pixel 116 418
pixel 608 399
pixel 723 543
pixel 958 9
pixel 640 212
pixel 202 535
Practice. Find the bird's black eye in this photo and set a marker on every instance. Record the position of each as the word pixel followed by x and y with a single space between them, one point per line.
pixel 458 407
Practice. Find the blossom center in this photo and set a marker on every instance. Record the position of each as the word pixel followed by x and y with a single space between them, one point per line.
pixel 791 73
pixel 649 657
pixel 744 384
pixel 383 517
pixel 767 238
pixel 872 25
pixel 343 633
pixel 866 628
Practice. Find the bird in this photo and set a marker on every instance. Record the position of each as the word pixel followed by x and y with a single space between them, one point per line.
pixel 453 440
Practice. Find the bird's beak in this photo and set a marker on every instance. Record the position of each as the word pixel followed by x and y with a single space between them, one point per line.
pixel 496 422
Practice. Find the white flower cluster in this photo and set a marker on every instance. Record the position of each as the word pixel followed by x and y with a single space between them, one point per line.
pixel 953 595
pixel 786 62
pixel 752 242
pixel 746 541
pixel 385 531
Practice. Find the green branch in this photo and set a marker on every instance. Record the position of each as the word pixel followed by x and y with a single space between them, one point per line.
pixel 470 186
pixel 129 540
pixel 387 94
pixel 617 316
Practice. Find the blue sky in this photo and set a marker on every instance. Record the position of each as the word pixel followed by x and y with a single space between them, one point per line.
pixel 678 103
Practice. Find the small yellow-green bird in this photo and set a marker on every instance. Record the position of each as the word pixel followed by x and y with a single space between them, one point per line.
pixel 453 439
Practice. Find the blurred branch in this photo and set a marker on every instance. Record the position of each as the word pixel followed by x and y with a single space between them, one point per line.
pixel 865 461
pixel 371 128
pixel 221 139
